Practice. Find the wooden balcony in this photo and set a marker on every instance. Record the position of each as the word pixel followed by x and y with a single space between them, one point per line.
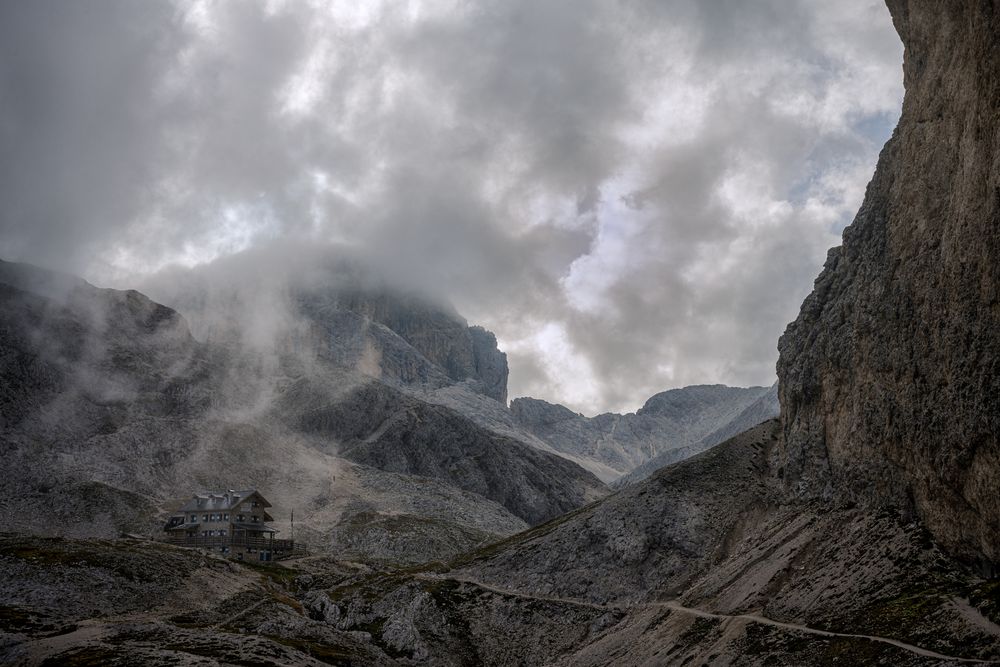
pixel 280 548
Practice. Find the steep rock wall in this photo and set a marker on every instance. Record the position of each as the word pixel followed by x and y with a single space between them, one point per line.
pixel 890 375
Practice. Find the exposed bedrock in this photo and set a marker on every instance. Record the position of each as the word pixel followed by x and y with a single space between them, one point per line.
pixel 890 375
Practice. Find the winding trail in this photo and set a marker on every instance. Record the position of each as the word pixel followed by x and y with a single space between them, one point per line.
pixel 240 614
pixel 673 606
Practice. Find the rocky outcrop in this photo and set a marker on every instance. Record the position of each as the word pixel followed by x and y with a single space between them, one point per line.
pixel 491 364
pixel 436 340
pixel 333 308
pixel 702 563
pixel 890 375
pixel 761 410
pixel 657 536
pixel 134 602
pixel 381 427
pixel 70 342
pixel 669 424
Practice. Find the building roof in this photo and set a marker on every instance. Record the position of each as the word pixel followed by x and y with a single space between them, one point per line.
pixel 260 527
pixel 210 501
pixel 183 526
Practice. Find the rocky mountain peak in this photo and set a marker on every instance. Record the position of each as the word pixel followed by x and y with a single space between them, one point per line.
pixel 433 331
pixel 537 412
pixel 336 309
pixel 694 400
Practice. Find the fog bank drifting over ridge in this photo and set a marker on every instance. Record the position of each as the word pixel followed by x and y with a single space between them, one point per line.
pixel 632 198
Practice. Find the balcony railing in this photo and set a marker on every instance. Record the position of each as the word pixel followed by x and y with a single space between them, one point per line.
pixel 283 547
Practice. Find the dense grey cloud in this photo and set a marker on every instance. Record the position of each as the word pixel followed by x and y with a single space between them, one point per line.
pixel 634 195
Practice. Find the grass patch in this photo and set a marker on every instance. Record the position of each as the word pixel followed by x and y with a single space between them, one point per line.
pixel 490 550
pixel 288 601
pixel 191 620
pixel 17 620
pixel 448 593
pixel 761 640
pixel 221 654
pixel 700 628
pixel 900 615
pixel 330 654
pixel 911 617
pixel 133 560
pixel 282 575
pixel 88 656
pixel 845 651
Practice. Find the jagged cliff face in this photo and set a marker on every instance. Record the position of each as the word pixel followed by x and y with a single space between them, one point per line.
pixel 671 422
pixel 761 410
pixel 339 313
pixel 890 376
pixel 443 339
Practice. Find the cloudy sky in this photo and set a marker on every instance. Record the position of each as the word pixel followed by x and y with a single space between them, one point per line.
pixel 633 194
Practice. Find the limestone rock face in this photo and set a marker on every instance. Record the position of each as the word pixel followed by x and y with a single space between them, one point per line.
pixel 890 375
pixel 341 313
pixel 447 348
pixel 491 364
pixel 383 428
pixel 669 423
pixel 761 410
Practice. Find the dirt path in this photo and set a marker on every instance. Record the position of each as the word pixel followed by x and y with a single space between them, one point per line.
pixel 227 621
pixel 763 620
pixel 751 618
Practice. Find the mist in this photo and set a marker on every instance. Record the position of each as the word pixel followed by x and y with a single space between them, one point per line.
pixel 632 196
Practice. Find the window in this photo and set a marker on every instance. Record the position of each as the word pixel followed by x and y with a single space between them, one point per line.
pixel 194 518
pixel 254 518
pixel 204 517
pixel 225 517
pixel 222 532
pixel 241 518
